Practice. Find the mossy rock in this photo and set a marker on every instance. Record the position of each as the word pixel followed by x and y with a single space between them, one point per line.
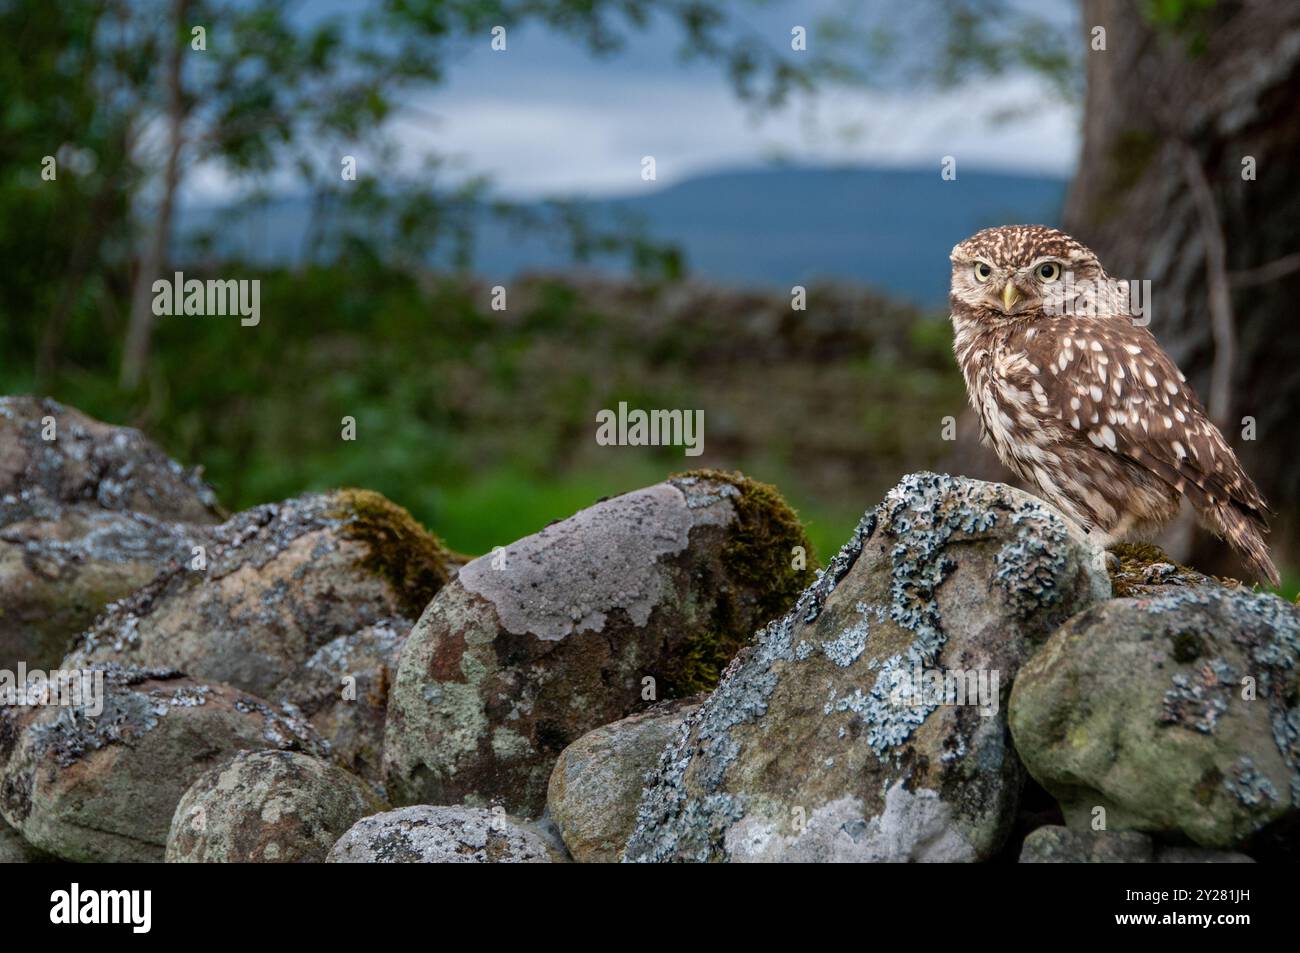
pixel 1143 569
pixel 413 560
pixel 759 553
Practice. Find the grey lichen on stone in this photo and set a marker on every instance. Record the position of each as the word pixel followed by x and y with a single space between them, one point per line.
pixel 927 511
pixel 845 648
pixel 422 834
pixel 1197 701
pixel 556 634
pixel 87 784
pixel 1248 785
pixel 1027 571
pixel 720 492
pixel 1028 567
pixel 90 462
pixel 671 823
pixel 278 583
pixel 1269 633
pixel 567 577
pixel 270 806
pixel 343 690
pixel 72 733
pixel 62 562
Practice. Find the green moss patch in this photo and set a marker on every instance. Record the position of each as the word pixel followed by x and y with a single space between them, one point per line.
pixel 758 557
pixel 412 560
pixel 1143 567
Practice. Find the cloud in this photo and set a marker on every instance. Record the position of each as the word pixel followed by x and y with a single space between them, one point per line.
pixel 591 142
pixel 548 118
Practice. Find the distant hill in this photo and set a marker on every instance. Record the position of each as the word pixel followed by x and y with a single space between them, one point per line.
pixel 775 227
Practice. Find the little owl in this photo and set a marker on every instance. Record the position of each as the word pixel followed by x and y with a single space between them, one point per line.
pixel 1081 401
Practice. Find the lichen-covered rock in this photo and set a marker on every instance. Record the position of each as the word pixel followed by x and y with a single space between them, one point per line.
pixel 58 570
pixel 827 740
pixel 444 835
pixel 281 581
pixel 536 644
pixel 51 454
pixel 597 782
pixel 267 807
pixel 100 780
pixel 88 513
pixel 1054 844
pixel 15 850
pixel 1178 715
pixel 343 691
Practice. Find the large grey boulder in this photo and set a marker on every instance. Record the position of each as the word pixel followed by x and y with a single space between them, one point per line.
pixel 826 739
pixel 532 646
pixel 444 835
pixel 267 807
pixel 1175 715
pixel 60 569
pixel 88 513
pixel 597 782
pixel 98 778
pixel 281 581
pixel 52 454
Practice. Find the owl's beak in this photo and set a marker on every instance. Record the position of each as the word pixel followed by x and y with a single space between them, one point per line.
pixel 1010 295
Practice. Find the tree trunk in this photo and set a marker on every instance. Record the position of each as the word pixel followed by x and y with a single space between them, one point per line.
pixel 1161 194
pixel 135 353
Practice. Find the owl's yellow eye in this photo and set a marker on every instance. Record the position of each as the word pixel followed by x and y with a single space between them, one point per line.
pixel 982 271
pixel 1049 271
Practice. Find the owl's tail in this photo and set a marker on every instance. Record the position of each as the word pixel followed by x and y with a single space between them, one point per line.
pixel 1245 531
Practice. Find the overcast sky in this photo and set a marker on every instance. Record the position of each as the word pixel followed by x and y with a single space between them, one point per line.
pixel 546 117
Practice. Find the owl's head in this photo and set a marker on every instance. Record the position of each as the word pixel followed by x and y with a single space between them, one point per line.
pixel 1015 270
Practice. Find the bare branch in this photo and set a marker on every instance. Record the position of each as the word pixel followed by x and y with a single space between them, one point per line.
pixel 1223 325
pixel 1264 274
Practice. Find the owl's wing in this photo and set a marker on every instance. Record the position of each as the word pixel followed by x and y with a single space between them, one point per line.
pixel 1110 382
